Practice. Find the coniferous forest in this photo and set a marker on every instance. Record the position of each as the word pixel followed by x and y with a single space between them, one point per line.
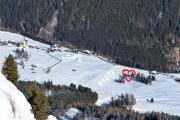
pixel 61 98
pixel 138 33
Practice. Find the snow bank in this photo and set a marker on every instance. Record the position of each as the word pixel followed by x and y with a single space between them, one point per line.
pixel 14 105
pixel 50 117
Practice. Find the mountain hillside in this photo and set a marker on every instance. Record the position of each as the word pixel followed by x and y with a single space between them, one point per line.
pixel 65 67
pixel 136 33
pixel 14 105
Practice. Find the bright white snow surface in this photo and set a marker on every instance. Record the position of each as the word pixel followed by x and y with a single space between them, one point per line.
pixel 90 71
pixel 14 105
pixel 50 117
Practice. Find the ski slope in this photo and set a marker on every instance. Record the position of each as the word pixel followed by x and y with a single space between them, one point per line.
pixel 91 71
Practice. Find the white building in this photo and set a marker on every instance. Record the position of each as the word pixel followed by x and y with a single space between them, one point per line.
pixel 23 44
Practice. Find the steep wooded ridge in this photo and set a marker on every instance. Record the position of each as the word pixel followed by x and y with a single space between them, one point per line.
pixel 141 33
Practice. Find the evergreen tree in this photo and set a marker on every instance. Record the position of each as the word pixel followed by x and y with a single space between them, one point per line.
pixel 38 101
pixel 10 69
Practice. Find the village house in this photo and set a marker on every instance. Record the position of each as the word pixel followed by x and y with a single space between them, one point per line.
pixel 23 44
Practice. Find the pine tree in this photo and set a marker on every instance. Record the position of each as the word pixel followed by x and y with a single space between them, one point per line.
pixel 38 101
pixel 9 69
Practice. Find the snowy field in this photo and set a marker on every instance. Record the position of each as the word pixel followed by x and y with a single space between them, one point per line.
pixel 90 71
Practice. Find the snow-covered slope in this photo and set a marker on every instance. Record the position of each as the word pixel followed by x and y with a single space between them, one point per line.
pixel 95 73
pixel 14 105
